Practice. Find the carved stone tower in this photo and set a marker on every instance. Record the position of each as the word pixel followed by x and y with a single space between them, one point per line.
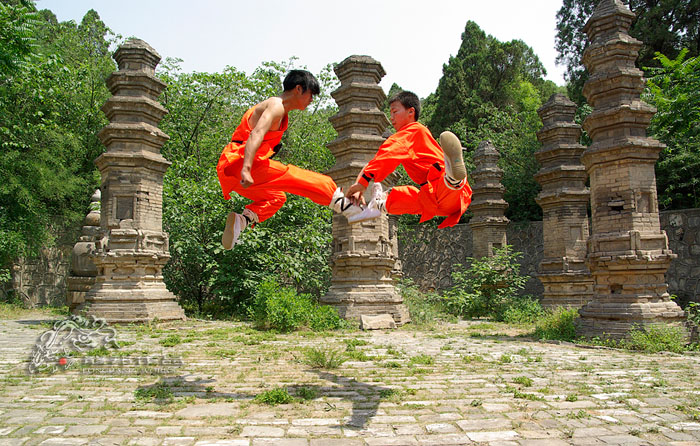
pixel 488 223
pixel 82 269
pixel 364 254
pixel 628 253
pixel 132 248
pixel 564 201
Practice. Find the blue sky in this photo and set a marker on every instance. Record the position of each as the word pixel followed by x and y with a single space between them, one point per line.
pixel 412 39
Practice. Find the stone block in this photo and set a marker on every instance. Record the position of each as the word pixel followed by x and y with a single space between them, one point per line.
pixel 377 322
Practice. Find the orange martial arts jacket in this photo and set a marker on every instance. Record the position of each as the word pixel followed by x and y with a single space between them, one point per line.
pixel 415 148
pixel 235 150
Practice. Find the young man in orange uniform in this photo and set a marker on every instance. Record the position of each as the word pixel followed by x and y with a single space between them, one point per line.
pixel 245 166
pixel 440 172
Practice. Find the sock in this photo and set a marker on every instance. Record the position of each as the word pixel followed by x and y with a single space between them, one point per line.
pixel 452 183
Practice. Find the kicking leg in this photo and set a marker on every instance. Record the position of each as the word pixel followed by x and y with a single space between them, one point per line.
pixel 455 171
pixel 375 208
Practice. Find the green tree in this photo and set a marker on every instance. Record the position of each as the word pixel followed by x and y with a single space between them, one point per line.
pixel 491 90
pixel 49 116
pixel 664 26
pixel 675 91
pixel 482 72
pixel 293 246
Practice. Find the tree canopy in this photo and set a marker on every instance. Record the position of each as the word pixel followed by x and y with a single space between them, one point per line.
pixel 52 85
pixel 491 90
pixel 663 26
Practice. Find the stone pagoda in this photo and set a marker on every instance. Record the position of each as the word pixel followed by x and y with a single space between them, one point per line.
pixel 82 268
pixel 628 253
pixel 132 248
pixel 365 255
pixel 488 207
pixel 564 201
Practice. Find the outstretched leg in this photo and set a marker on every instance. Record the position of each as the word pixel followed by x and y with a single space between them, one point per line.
pixel 455 171
pixel 375 208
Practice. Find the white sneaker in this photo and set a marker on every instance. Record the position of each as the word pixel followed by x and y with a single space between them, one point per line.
pixel 452 150
pixel 235 224
pixel 342 205
pixel 374 208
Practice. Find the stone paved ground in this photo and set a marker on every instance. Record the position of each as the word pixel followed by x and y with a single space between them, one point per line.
pixel 459 384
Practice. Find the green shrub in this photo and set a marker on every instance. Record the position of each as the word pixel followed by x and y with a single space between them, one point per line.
pixel 693 313
pixel 557 325
pixel 307 393
pixel 488 287
pixel 279 308
pixel 656 338
pixel 524 310
pixel 424 308
pixel 282 308
pixel 325 318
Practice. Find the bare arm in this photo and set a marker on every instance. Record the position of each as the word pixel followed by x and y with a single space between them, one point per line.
pixel 273 114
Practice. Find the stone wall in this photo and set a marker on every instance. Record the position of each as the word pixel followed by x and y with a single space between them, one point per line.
pixel 683 231
pixel 42 280
pixel 428 253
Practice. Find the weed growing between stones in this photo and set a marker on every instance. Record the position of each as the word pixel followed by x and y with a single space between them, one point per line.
pixel 323 358
pixel 274 397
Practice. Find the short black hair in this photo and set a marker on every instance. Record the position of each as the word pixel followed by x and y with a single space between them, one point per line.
pixel 301 77
pixel 408 99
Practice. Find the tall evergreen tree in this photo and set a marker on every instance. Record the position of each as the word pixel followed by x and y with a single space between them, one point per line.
pixel 491 90
pixel 663 26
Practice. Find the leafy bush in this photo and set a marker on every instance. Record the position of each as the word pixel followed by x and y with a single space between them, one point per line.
pixel 279 308
pixel 424 308
pixel 488 287
pixel 557 325
pixel 282 308
pixel 325 318
pixel 655 338
pixel 523 311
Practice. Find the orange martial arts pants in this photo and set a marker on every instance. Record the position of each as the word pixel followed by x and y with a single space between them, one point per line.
pixel 433 199
pixel 271 180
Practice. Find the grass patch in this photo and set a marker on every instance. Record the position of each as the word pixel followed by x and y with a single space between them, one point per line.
pixel 159 392
pixel 307 393
pixel 472 358
pixel 422 359
pixel 323 358
pixel 274 397
pixel 357 355
pixel 523 380
pixel 656 338
pixel 171 341
pixel 557 325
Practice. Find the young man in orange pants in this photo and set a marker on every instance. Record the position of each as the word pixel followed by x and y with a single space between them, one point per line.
pixel 440 172
pixel 245 166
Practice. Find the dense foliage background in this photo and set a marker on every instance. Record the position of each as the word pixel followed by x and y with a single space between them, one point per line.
pixel 52 85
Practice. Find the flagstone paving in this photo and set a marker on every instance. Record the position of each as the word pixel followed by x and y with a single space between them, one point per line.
pixel 470 383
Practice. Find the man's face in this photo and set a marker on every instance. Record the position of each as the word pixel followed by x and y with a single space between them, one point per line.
pixel 305 97
pixel 400 115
